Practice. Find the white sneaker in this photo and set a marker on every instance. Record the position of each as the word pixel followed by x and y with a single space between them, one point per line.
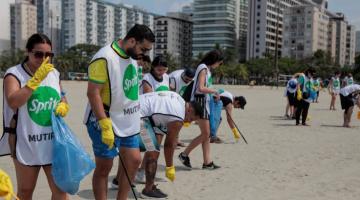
pixel 140 176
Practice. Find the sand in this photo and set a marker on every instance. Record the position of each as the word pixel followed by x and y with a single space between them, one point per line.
pixel 281 162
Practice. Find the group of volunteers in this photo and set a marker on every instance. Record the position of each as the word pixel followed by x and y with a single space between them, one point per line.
pixel 304 88
pixel 128 112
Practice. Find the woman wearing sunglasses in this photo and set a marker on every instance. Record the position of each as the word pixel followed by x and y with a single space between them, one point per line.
pixel 32 91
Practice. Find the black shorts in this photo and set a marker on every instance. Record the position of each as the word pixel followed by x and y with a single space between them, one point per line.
pixel 346 102
pixel 201 99
pixel 291 98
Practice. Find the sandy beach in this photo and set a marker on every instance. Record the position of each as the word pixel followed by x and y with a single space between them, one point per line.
pixel 281 162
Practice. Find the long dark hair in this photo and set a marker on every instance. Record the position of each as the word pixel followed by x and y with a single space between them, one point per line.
pixel 212 57
pixel 37 38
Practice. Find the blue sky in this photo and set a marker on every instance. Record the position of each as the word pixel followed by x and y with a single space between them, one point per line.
pixel 350 7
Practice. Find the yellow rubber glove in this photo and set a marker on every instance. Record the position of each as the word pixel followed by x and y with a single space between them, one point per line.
pixel 107 133
pixel 170 173
pixel 6 188
pixel 236 133
pixel 62 109
pixel 186 124
pixel 40 74
pixel 298 94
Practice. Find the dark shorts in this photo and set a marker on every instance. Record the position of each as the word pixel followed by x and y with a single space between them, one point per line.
pixel 201 99
pixel 346 102
pixel 291 98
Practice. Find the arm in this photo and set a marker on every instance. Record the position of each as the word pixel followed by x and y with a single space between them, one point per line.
pixel 63 97
pixel 95 100
pixel 15 96
pixel 202 83
pixel 229 109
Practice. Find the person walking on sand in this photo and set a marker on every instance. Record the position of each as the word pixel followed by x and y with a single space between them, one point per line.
pixel 201 93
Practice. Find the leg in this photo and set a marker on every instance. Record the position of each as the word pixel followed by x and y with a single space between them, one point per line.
pixel 298 112
pixel 150 160
pixel 26 178
pixel 347 116
pixel 193 144
pixel 205 135
pixel 100 177
pixel 131 158
pixel 56 193
pixel 306 106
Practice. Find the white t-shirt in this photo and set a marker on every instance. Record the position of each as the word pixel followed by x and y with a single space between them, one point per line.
pixel 349 89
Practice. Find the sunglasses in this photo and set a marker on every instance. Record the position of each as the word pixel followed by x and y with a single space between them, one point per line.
pixel 40 54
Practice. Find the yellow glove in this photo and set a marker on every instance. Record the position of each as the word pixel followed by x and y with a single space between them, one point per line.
pixel 186 124
pixel 6 188
pixel 170 173
pixel 40 74
pixel 298 94
pixel 62 109
pixel 107 133
pixel 236 133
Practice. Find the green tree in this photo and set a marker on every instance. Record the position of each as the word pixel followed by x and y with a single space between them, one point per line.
pixel 9 58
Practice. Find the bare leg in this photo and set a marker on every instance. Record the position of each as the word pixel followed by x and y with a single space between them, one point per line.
pixel 56 193
pixel 132 159
pixel 100 177
pixel 26 178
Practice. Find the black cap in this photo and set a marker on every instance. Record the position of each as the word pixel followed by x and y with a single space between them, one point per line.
pixel 241 100
pixel 189 72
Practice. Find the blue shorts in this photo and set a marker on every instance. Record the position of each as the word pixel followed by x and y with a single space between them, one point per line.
pixel 102 150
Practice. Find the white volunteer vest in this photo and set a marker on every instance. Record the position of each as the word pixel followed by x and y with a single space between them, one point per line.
pixel 164 102
pixel 227 95
pixel 177 82
pixel 336 85
pixel 156 85
pixel 208 83
pixel 34 133
pixel 124 91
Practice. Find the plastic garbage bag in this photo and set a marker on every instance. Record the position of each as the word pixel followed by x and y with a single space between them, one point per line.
pixel 147 138
pixel 215 115
pixel 71 163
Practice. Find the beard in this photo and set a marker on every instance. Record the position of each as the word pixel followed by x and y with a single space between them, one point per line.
pixel 131 52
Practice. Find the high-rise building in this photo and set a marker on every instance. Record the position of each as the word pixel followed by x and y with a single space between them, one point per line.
pixel 215 23
pixel 101 22
pixel 74 17
pixel 243 28
pixel 174 36
pixel 49 21
pixel 350 45
pixel 357 50
pixel 308 28
pixel 311 27
pixel 341 35
pixel 5 25
pixel 265 25
pixel 188 9
pixel 23 22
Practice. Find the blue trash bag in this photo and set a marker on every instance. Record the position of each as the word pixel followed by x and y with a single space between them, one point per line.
pixel 71 163
pixel 215 116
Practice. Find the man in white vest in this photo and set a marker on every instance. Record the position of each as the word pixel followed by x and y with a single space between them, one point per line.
pixel 165 112
pixel 113 113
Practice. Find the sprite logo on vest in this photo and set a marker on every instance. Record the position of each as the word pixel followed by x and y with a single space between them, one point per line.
pixel 41 103
pixel 182 90
pixel 162 88
pixel 131 83
pixel 336 83
pixel 210 81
